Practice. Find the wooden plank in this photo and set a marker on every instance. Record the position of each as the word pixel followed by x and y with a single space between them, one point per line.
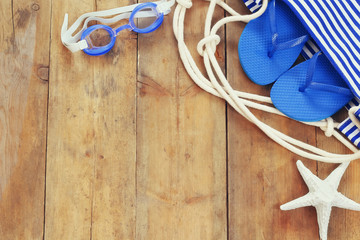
pixel 343 223
pixel 7 32
pixel 181 146
pixel 263 175
pixel 91 147
pixel 115 142
pixel 70 170
pixel 24 61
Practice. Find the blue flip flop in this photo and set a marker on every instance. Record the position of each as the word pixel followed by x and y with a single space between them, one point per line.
pixel 270 44
pixel 310 47
pixel 310 91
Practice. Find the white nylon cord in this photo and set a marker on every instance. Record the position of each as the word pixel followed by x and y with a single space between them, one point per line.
pixel 218 85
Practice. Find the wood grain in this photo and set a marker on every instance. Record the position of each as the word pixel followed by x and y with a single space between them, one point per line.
pixel 24 61
pixel 181 144
pixel 115 143
pixel 126 146
pixel 70 135
pixel 91 149
pixel 263 175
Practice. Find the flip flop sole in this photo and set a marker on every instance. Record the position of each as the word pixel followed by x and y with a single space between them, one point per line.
pixel 311 104
pixel 256 41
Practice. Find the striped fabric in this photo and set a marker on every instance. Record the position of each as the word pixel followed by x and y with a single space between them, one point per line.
pixel 335 27
pixel 310 47
pixel 351 131
pixel 354 102
pixel 348 128
pixel 253 5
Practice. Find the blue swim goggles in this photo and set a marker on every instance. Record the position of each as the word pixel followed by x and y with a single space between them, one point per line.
pixel 99 39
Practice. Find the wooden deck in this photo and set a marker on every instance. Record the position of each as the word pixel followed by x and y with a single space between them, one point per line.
pixel 126 146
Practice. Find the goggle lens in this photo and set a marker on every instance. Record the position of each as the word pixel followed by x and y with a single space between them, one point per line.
pixel 142 22
pixel 98 38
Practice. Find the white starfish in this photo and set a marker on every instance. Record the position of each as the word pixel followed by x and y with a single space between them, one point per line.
pixel 322 195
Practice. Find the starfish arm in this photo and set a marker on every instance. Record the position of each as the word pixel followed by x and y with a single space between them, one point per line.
pixel 303 201
pixel 335 177
pixel 310 179
pixel 323 216
pixel 343 202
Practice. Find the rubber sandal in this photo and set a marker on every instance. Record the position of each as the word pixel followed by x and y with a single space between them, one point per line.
pixel 310 47
pixel 335 27
pixel 270 44
pixel 310 91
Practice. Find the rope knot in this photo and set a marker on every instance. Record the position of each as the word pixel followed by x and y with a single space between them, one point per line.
pixel 354 115
pixel 185 3
pixel 214 40
pixel 329 127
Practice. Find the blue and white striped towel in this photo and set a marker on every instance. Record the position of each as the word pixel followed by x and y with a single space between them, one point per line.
pixel 351 131
pixel 253 5
pixel 335 27
pixel 310 47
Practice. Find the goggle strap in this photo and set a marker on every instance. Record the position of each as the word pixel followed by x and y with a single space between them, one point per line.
pixel 165 6
pixel 103 13
pixel 102 20
pixel 74 47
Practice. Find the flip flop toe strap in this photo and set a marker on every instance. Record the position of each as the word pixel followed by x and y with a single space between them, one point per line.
pixel 329 88
pixel 275 35
pixel 309 84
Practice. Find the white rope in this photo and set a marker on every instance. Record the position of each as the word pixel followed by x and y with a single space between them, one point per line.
pixel 218 85
pixel 353 117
